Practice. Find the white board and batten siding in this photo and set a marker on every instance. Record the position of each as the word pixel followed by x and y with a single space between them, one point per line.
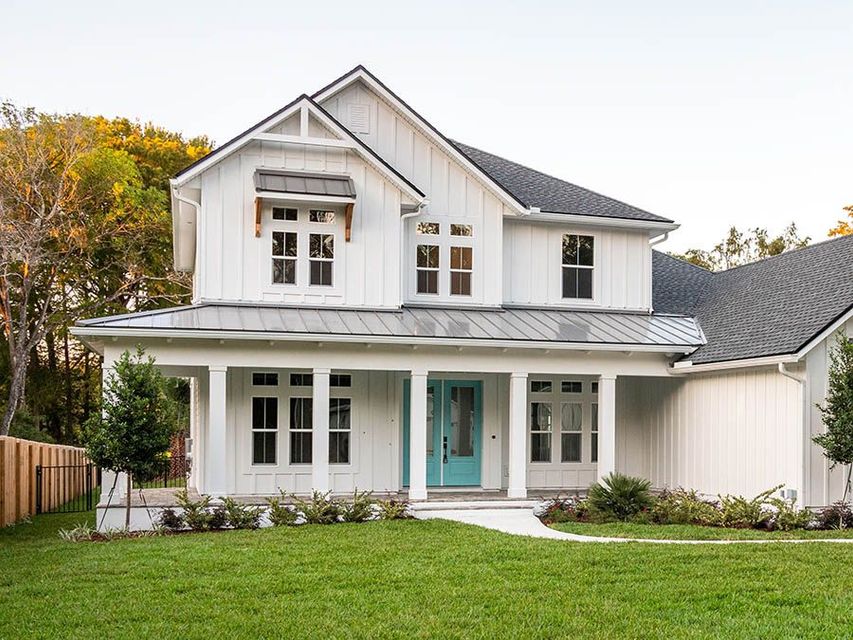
pixel 533 258
pixel 732 432
pixel 234 265
pixel 456 196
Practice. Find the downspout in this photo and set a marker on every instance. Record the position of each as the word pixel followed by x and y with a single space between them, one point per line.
pixel 653 244
pixel 420 207
pixel 658 241
pixel 801 441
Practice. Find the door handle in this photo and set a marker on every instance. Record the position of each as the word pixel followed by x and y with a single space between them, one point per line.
pixel 444 448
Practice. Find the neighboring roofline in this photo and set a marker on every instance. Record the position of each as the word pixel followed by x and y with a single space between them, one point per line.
pixel 361 72
pixel 244 138
pixel 83 331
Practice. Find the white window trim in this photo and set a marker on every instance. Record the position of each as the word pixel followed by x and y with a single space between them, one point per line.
pixel 444 241
pixel 303 229
pixel 556 398
pixel 253 430
pixel 594 268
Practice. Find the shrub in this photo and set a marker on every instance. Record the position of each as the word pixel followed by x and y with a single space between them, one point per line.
pixel 620 496
pixel 241 516
pixel 280 514
pixel 838 515
pixel 171 520
pixel 740 513
pixel 81 532
pixel 787 516
pixel 360 509
pixel 684 507
pixel 559 509
pixel 393 509
pixel 218 518
pixel 319 509
pixel 196 513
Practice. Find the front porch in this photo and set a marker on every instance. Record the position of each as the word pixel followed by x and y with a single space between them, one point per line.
pixel 422 435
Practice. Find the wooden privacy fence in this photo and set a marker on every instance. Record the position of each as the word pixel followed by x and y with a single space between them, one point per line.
pixel 18 462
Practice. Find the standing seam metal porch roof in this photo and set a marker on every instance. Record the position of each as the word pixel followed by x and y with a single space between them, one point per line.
pixel 515 324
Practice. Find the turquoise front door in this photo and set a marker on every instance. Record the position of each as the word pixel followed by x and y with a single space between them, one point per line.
pixel 454 432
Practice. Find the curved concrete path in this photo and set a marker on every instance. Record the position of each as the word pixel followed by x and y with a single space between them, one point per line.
pixel 522 522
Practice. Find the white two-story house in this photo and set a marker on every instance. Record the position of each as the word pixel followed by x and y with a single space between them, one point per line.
pixel 376 306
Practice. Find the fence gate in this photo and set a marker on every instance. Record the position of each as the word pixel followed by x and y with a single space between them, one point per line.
pixel 67 488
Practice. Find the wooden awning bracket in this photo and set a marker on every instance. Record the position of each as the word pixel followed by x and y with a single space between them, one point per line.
pixel 348 217
pixel 257 217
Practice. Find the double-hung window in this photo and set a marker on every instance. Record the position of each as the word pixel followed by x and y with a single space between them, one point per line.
pixel 284 255
pixel 578 257
pixel 428 257
pixel 339 430
pixel 321 257
pixel 301 432
pixel 444 259
pixel 264 430
pixel 303 247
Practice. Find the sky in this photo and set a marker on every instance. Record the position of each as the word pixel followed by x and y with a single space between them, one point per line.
pixel 713 114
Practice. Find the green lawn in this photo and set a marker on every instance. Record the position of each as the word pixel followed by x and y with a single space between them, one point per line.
pixel 691 532
pixel 413 579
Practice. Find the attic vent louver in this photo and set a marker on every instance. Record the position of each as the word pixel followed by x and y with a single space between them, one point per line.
pixel 359 118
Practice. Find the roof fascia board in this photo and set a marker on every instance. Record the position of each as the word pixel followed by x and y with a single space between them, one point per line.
pixel 237 142
pixel 599 221
pixel 725 365
pixel 360 73
pixel 827 332
pixel 116 332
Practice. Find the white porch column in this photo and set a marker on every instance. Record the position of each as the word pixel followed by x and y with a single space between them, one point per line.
pixel 217 463
pixel 606 426
pixel 111 482
pixel 418 436
pixel 320 427
pixel 517 486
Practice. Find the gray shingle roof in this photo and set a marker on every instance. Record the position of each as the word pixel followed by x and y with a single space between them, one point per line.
pixel 550 194
pixel 521 325
pixel 771 307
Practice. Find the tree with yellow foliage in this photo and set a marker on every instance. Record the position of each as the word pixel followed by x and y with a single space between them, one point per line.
pixel 844 227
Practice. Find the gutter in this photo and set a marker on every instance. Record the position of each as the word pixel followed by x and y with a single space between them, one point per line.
pixel 176 223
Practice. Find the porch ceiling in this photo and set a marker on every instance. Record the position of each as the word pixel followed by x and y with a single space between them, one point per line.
pixel 488 327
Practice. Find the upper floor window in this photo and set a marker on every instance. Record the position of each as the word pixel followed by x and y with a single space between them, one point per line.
pixel 321 256
pixel 428 265
pixel 578 264
pixel 302 251
pixel 284 254
pixel 444 259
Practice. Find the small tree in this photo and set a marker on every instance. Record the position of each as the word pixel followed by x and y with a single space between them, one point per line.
pixel 837 410
pixel 133 432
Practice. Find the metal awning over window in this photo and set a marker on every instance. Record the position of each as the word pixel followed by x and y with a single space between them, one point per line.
pixel 304 186
pixel 301 183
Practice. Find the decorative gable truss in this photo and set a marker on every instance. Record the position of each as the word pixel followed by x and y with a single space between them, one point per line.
pixel 277 184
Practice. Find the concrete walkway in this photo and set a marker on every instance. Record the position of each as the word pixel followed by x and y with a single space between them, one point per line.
pixel 522 522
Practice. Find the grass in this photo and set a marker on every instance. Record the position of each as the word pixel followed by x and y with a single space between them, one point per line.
pixel 412 579
pixel 692 532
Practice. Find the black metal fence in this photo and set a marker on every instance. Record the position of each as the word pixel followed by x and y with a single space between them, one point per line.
pixel 66 488
pixel 173 474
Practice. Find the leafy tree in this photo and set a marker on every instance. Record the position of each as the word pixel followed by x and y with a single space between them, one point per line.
pixel 115 216
pixel 837 410
pixel 739 248
pixel 134 430
pixel 844 227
